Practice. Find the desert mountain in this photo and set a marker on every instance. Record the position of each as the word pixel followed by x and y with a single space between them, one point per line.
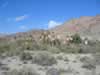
pixel 57 38
pixel 86 26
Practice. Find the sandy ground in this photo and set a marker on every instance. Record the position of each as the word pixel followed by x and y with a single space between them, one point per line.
pixel 71 66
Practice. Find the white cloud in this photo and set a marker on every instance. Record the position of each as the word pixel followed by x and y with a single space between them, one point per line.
pixel 23 27
pixel 52 24
pixel 20 18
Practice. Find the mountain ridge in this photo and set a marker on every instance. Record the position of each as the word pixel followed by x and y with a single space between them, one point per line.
pixel 85 26
pixel 88 26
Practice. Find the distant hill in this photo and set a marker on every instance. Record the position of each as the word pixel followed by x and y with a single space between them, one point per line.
pixel 86 26
pixel 55 39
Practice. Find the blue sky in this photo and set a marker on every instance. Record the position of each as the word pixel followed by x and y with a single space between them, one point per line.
pixel 23 15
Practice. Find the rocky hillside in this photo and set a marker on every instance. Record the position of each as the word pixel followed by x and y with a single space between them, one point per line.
pixel 62 38
pixel 88 26
pixel 85 26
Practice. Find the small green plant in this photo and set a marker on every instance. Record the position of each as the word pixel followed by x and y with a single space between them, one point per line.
pixel 76 39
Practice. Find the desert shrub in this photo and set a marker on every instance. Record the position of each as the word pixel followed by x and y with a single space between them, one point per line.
pixel 91 47
pixel 4 47
pixel 4 68
pixel 76 39
pixel 88 63
pixel 59 71
pixel 85 59
pixel 59 57
pixel 53 49
pixel 26 56
pixel 27 44
pixel 62 71
pixel 89 66
pixel 24 71
pixel 97 58
pixel 73 48
pixel 68 70
pixel 44 59
pixel 66 59
pixel 44 47
pixel 10 48
pixel 53 71
pixel 1 63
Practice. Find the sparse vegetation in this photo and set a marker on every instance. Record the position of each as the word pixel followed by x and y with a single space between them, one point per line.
pixel 55 48
pixel 59 57
pixel 59 71
pixel 53 71
pixel 44 59
pixel 48 42
pixel 88 63
pixel 24 71
pixel 26 56
pixel 66 59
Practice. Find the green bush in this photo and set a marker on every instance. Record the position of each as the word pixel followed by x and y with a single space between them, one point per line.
pixel 76 39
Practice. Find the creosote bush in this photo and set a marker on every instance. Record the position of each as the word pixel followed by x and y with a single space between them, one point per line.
pixel 44 59
pixel 26 56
